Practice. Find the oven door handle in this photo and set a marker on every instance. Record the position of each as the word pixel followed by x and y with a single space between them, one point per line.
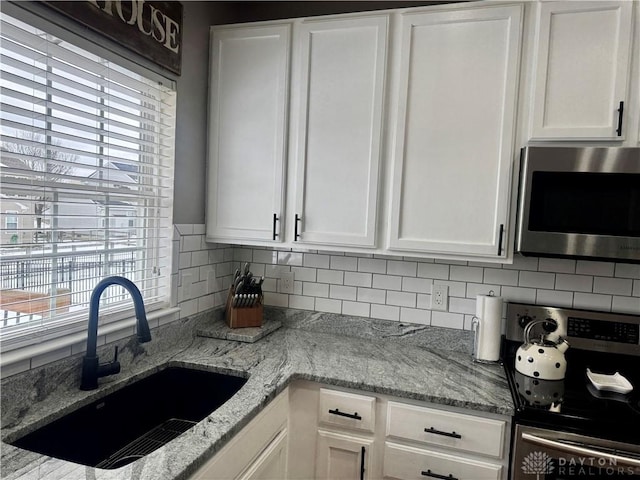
pixel 587 450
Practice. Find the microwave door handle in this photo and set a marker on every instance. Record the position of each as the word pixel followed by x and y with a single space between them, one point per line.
pixel 587 450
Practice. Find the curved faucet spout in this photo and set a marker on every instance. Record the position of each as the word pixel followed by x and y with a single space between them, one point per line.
pixel 91 369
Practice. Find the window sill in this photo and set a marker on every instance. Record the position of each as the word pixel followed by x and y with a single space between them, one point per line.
pixel 115 329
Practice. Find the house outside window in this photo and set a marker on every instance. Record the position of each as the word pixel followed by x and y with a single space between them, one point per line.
pixel 11 220
pixel 86 147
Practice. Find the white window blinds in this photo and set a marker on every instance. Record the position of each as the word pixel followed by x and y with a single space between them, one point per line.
pixel 86 169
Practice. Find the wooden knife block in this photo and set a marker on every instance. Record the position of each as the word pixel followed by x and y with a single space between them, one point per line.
pixel 242 317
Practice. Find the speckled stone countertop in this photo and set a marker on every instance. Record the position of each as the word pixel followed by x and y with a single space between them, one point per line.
pixel 409 361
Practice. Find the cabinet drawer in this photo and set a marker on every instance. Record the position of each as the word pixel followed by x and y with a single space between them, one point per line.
pixel 409 463
pixel 348 410
pixel 437 427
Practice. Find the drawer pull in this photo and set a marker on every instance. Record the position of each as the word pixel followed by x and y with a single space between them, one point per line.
pixel 435 475
pixel 446 434
pixel 362 453
pixel 348 415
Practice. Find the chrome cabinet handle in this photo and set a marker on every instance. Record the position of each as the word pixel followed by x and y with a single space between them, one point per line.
pixel 296 235
pixel 439 432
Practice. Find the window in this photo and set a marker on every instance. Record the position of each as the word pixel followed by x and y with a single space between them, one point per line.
pixel 11 220
pixel 87 150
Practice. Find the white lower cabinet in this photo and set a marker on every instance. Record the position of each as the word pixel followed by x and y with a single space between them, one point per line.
pixel 311 431
pixel 343 456
pixel 406 462
pixel 259 451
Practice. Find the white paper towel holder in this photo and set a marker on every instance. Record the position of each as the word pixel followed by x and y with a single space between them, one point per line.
pixel 476 327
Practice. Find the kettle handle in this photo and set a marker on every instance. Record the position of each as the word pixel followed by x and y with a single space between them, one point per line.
pixel 527 330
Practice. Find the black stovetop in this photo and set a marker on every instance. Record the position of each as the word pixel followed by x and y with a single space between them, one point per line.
pixel 574 404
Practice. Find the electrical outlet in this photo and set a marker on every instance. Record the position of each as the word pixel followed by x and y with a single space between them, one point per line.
pixel 286 282
pixel 439 297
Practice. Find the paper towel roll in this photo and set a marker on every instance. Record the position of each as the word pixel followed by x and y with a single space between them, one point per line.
pixel 489 313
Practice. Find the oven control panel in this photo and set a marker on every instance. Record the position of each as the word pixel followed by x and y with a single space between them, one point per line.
pixel 578 327
pixel 584 329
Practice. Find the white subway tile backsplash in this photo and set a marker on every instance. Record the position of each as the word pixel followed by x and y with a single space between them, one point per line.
pixel 385 312
pixel 330 276
pixel 356 309
pixel 433 270
pixel 342 292
pixel 405 269
pixel 462 305
pixel 614 286
pixel 387 282
pixel 315 289
pixel 475 289
pixel 328 305
pixel 358 279
pixel 536 280
pixel 446 319
pixel 396 288
pixel 601 269
pixel 557 265
pixel 316 261
pixel 276 299
pixel 304 274
pixel 592 301
pixel 519 294
pixel 576 283
pixel 372 265
pixel 627 270
pixel 465 274
pixel 301 302
pixel 343 263
pixel 626 305
pixel 290 258
pixel 401 299
pixel 416 285
pixel 415 315
pixel 265 256
pixel 522 263
pixel 370 295
pixel 423 301
pixel 499 276
pixel 556 298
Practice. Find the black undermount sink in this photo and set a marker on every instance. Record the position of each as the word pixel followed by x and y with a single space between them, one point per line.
pixel 134 421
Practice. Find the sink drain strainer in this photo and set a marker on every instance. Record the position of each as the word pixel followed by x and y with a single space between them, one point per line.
pixel 147 443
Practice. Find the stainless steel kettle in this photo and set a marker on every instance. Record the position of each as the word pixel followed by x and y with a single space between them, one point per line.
pixel 544 358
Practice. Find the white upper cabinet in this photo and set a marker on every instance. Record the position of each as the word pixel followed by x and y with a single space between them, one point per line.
pixel 454 131
pixel 339 80
pixel 582 70
pixel 249 82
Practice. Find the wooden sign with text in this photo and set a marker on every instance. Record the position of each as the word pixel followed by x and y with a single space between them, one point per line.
pixel 150 28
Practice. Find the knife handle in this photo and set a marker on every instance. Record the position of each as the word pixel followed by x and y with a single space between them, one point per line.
pixel 296 235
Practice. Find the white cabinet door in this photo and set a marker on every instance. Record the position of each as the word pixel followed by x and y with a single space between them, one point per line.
pixel 454 130
pixel 342 457
pixel 272 463
pixel 582 69
pixel 340 75
pixel 249 71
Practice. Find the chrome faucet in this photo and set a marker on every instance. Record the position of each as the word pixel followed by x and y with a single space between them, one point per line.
pixel 91 368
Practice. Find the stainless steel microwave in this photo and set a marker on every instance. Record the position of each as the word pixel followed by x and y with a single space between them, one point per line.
pixel 581 202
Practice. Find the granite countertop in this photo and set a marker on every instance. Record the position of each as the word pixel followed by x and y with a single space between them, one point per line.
pixel 409 361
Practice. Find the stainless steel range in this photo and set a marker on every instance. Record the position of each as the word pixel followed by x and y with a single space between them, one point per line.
pixel 575 427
